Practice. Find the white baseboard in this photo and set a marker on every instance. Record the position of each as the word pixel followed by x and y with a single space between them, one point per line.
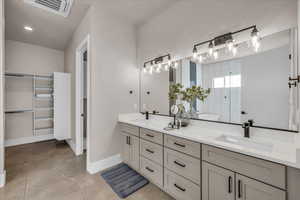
pixel 27 140
pixel 72 146
pixel 100 165
pixel 2 179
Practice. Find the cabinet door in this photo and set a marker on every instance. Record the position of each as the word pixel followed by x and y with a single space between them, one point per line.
pixel 134 143
pixel 217 183
pixel 62 106
pixel 126 148
pixel 249 189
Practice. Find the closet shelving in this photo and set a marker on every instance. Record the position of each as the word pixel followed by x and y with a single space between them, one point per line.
pixel 42 102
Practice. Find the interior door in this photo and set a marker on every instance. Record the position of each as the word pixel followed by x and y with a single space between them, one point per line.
pixel 62 105
pixel 249 189
pixel 217 183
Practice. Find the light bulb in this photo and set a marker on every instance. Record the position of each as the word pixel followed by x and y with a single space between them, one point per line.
pixel 195 53
pixel 234 50
pixel 230 45
pixel 167 67
pixel 145 70
pixel 200 58
pixel 175 65
pixel 159 66
pixel 257 46
pixel 151 69
pixel 211 48
pixel 216 54
pixel 254 36
pixel 157 69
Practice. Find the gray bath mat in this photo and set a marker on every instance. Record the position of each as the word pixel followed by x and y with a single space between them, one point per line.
pixel 123 180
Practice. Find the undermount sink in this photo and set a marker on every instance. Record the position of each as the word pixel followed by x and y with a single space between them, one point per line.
pixel 247 143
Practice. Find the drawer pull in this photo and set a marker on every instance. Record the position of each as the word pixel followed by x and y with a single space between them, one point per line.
pixel 239 189
pixel 179 164
pixel 152 136
pixel 180 145
pixel 150 170
pixel 180 188
pixel 150 151
pixel 230 185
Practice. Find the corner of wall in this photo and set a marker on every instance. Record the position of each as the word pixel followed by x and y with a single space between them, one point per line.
pixel 95 167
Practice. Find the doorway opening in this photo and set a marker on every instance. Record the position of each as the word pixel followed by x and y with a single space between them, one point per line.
pixel 82 98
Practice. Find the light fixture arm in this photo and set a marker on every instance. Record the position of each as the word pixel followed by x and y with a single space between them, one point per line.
pixel 223 36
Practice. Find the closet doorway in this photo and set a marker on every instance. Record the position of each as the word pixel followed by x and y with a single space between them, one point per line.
pixel 82 98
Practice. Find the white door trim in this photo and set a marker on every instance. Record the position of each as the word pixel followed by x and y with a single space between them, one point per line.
pixel 84 45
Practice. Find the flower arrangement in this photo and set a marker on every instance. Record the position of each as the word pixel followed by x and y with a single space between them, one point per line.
pixel 189 95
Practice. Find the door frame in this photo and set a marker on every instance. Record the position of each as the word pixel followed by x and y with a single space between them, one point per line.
pixel 82 47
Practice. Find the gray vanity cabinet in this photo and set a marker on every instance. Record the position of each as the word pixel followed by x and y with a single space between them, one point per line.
pixel 217 183
pixel 131 150
pixel 249 189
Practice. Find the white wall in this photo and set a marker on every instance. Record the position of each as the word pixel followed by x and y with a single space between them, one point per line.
pixel 27 58
pixel 113 75
pixel 70 63
pixel 187 22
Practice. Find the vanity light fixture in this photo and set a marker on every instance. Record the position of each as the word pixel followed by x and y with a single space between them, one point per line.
pixel 229 42
pixel 157 64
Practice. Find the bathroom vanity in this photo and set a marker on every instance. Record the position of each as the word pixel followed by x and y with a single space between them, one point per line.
pixel 205 161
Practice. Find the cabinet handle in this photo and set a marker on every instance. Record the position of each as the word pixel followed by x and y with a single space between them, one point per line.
pixel 129 140
pixel 239 189
pixel 150 170
pixel 180 145
pixel 150 151
pixel 179 164
pixel 152 136
pixel 230 185
pixel 180 188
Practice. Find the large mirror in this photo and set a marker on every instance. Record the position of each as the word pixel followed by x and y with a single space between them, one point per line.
pixel 251 84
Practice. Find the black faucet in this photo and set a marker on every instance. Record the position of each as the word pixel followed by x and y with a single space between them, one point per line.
pixel 147 115
pixel 246 127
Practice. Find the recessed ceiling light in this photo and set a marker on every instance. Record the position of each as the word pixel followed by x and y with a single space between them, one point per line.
pixel 28 28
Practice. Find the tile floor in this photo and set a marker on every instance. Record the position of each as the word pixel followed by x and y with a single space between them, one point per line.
pixel 50 171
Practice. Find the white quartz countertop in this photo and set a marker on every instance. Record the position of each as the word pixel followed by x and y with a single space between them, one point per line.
pixel 276 146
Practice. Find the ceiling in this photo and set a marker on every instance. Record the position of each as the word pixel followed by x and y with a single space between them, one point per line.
pixel 50 30
pixel 54 31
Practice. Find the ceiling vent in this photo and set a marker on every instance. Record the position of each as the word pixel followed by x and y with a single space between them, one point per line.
pixel 60 7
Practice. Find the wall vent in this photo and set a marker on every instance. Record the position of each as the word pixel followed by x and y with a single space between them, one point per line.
pixel 60 7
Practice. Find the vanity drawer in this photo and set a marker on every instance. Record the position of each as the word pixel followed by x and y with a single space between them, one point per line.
pixel 183 165
pixel 152 171
pixel 182 145
pixel 152 136
pixel 126 128
pixel 181 188
pixel 151 151
pixel 265 171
